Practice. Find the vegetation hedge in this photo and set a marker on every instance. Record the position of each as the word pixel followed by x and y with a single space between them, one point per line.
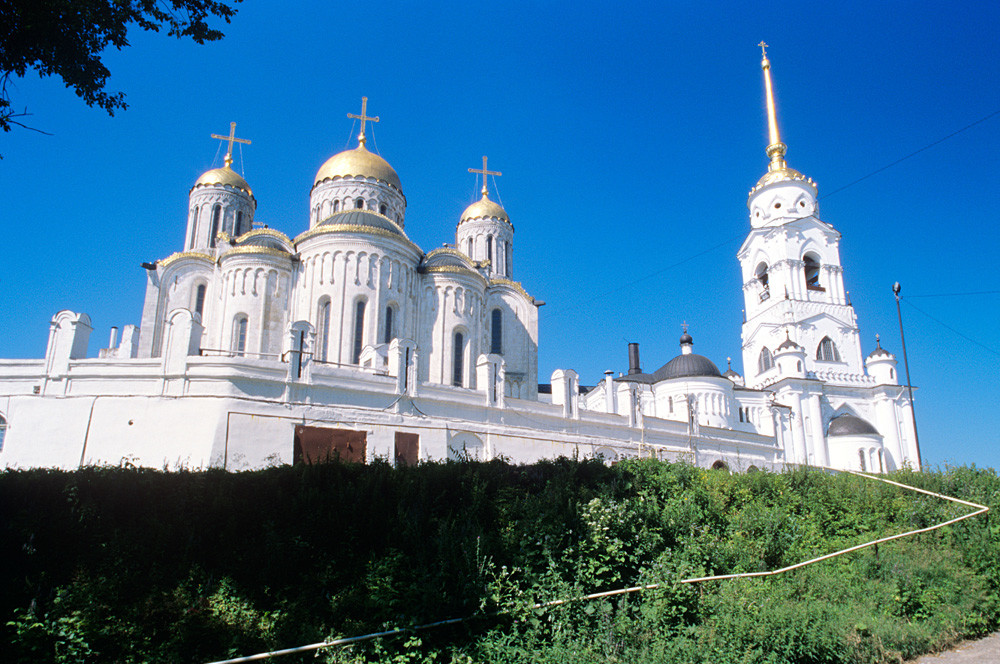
pixel 135 565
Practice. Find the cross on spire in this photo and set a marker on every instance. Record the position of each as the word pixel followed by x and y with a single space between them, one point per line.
pixel 485 172
pixel 763 49
pixel 364 117
pixel 232 139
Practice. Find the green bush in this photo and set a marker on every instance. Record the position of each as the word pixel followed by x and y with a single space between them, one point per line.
pixel 135 565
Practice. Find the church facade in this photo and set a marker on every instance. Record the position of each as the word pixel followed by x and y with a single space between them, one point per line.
pixel 348 340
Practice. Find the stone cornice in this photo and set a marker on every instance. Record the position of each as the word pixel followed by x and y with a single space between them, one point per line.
pixel 253 250
pixel 181 255
pixel 500 281
pixel 326 229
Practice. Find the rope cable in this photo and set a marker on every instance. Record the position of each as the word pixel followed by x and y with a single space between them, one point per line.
pixel 977 510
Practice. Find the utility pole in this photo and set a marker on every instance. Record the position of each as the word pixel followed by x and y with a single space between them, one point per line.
pixel 896 288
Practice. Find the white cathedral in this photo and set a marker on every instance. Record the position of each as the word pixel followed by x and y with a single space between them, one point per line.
pixel 350 341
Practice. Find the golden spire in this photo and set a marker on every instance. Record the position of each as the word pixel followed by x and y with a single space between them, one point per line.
pixel 775 148
pixel 485 173
pixel 364 118
pixel 232 139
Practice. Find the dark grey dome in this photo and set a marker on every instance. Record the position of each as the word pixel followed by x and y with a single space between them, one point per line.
pixel 687 338
pixel 687 365
pixel 879 351
pixel 788 343
pixel 364 219
pixel 849 425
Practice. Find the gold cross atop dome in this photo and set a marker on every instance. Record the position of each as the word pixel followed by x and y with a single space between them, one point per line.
pixel 485 172
pixel 364 117
pixel 763 49
pixel 232 139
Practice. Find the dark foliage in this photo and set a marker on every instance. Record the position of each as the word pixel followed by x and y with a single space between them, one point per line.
pixel 67 38
pixel 130 565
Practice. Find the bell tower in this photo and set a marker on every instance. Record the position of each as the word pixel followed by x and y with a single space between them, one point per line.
pixel 793 285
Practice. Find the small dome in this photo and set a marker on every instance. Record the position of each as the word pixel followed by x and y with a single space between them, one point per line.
pixel 687 365
pixel 849 425
pixel 686 338
pixel 224 176
pixel 880 352
pixel 358 162
pixel 362 218
pixel 788 343
pixel 484 208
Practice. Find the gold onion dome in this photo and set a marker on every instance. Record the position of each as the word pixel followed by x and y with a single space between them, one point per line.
pixel 358 162
pixel 224 176
pixel 484 208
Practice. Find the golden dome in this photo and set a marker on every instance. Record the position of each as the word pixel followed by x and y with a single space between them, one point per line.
pixel 358 162
pixel 484 208
pixel 224 176
pixel 781 174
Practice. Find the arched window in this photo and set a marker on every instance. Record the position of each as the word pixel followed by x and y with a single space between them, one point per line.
pixel 194 227
pixel 323 329
pixel 240 335
pixel 861 459
pixel 359 331
pixel 458 353
pixel 382 209
pixel 389 330
pixel 827 351
pixel 3 431
pixel 741 415
pixel 496 332
pixel 670 404
pixel 239 222
pixel 199 299
pixel 336 206
pixel 812 272
pixel 761 274
pixel 765 361
pixel 470 248
pixel 508 259
pixel 489 248
pixel 359 204
pixel 720 465
pixel 216 214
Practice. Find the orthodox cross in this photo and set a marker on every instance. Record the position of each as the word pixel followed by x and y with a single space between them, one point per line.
pixel 232 139
pixel 485 173
pixel 364 118
pixel 763 47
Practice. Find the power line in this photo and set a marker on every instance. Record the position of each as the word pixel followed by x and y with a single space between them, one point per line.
pixel 629 284
pixel 942 323
pixel 914 153
pixel 849 184
pixel 985 292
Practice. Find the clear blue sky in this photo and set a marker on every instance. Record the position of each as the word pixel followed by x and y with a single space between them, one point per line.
pixel 628 136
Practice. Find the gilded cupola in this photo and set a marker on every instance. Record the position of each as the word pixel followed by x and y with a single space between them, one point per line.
pixel 220 202
pixel 357 179
pixel 485 233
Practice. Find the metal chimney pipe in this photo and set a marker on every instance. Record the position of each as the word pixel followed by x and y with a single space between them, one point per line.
pixel 633 359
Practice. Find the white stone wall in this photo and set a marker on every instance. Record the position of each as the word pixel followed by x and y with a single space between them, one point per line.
pixel 235 206
pixel 342 193
pixel 471 239
pixel 345 268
